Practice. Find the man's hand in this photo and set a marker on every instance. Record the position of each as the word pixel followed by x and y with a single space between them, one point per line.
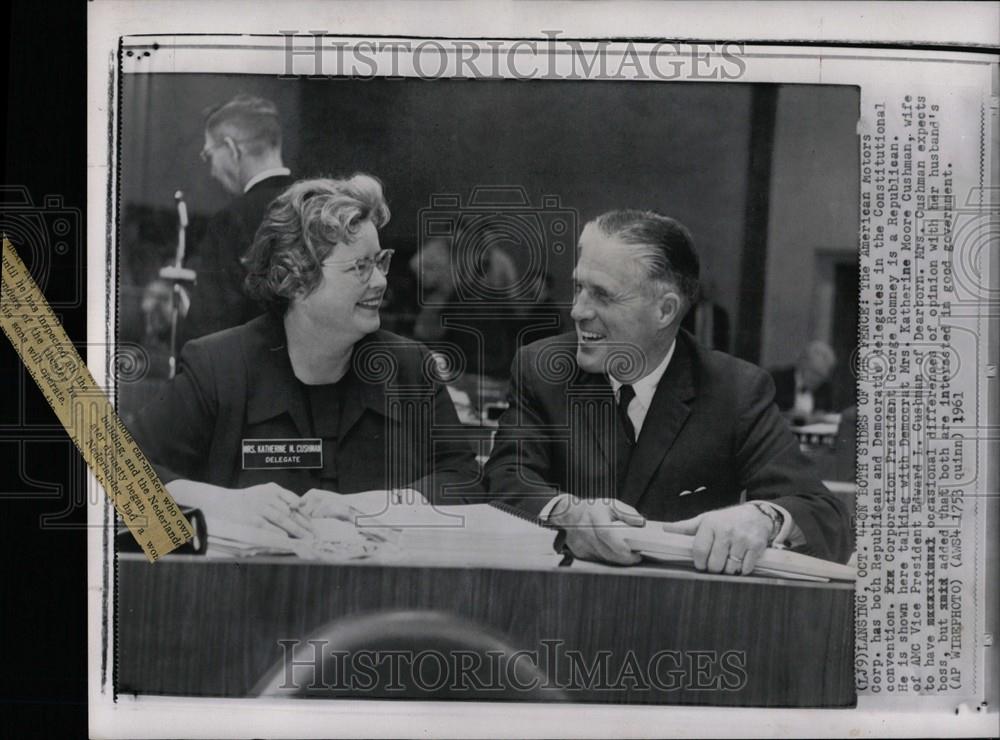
pixel 592 532
pixel 726 540
pixel 318 504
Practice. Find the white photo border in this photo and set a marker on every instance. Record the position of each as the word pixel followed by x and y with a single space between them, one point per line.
pixel 148 716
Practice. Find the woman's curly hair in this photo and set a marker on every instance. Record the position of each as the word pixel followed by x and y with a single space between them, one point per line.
pixel 300 229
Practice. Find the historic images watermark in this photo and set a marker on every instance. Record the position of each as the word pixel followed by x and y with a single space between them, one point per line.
pixel 314 666
pixel 550 58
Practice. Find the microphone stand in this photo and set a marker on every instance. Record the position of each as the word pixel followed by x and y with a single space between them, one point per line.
pixel 177 274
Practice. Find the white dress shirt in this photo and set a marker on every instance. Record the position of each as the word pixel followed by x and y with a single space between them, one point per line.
pixel 644 389
pixel 805 403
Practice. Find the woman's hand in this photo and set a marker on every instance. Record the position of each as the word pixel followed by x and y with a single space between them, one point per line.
pixel 318 504
pixel 267 506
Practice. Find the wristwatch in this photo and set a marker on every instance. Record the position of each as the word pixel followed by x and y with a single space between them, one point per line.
pixel 780 524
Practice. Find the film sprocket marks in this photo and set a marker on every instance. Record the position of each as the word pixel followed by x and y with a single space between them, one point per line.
pixel 926 201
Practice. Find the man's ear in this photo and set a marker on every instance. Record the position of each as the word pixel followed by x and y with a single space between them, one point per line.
pixel 670 307
pixel 233 147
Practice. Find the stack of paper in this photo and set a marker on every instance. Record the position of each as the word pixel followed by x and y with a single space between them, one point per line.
pixel 460 535
pixel 668 547
pixel 332 540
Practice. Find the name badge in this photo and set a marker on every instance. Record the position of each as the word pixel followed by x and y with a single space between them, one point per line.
pixel 282 454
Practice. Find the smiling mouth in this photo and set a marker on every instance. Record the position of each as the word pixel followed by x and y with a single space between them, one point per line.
pixel 588 337
pixel 371 303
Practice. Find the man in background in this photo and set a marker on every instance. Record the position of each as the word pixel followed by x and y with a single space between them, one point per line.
pixel 468 305
pixel 243 149
pixel 804 388
pixel 432 268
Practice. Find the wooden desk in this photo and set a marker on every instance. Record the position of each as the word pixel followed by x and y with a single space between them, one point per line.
pixel 202 626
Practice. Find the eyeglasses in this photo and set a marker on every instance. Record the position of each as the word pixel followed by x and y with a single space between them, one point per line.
pixel 205 153
pixel 363 267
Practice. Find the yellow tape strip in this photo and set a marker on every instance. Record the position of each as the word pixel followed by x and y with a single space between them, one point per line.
pixel 89 418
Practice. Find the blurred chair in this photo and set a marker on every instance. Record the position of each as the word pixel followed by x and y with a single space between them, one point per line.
pixel 443 656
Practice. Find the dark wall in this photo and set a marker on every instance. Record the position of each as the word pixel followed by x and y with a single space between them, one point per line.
pixel 813 215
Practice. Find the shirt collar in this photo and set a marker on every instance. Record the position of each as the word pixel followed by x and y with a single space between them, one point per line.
pixel 645 387
pixel 264 174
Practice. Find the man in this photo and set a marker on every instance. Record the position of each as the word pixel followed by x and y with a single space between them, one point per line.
pixel 648 424
pixel 804 388
pixel 435 285
pixel 463 304
pixel 243 149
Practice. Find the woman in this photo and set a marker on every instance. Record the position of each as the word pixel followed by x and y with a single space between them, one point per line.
pixel 266 420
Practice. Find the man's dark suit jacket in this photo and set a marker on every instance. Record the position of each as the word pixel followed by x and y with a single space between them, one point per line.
pixel 712 432
pixel 217 299
pixel 238 384
pixel 784 391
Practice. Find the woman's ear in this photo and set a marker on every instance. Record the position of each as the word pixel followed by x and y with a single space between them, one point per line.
pixel 299 293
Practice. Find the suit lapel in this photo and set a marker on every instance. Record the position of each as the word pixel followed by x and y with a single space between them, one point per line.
pixel 664 420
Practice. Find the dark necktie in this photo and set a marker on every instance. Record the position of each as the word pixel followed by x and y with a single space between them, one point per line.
pixel 625 395
pixel 625 437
